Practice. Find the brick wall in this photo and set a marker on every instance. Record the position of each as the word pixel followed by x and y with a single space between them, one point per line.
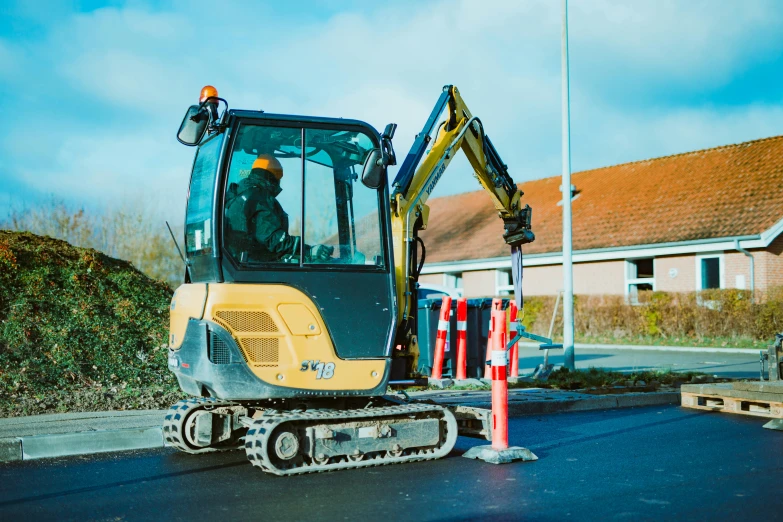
pixel 738 264
pixel 432 279
pixel 683 270
pixel 602 277
pixel 608 277
pixel 478 283
pixel 542 280
pixel 775 263
pixel 769 265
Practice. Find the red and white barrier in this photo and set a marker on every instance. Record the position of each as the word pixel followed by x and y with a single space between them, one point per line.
pixel 440 341
pixel 462 338
pixel 514 355
pixel 499 452
pixel 499 362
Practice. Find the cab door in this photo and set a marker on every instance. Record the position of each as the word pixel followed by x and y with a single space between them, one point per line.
pixel 344 258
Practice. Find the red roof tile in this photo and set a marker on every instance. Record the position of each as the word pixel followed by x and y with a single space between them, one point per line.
pixel 726 191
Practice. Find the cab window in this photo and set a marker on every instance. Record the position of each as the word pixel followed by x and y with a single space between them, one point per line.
pixel 277 213
pixel 198 218
pixel 263 200
pixel 341 214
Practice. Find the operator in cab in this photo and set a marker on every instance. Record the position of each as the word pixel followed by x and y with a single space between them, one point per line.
pixel 258 225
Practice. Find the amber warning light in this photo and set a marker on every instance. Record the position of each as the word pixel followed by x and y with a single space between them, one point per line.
pixel 207 92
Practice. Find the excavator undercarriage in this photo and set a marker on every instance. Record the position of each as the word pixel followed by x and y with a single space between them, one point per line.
pixel 286 440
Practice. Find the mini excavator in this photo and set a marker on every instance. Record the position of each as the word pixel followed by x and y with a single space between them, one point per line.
pixel 299 306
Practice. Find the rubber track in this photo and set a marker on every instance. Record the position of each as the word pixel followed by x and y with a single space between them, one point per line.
pixel 176 417
pixel 257 440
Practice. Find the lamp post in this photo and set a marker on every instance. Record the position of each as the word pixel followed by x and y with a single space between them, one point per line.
pixel 568 272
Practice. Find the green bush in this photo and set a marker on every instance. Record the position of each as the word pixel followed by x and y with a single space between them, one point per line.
pixel 708 318
pixel 72 318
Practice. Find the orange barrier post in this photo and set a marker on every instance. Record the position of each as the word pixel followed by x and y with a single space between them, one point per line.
pixel 462 338
pixel 440 341
pixel 497 304
pixel 499 452
pixel 514 355
pixel 499 384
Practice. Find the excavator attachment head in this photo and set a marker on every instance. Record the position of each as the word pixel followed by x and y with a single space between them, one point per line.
pixel 517 229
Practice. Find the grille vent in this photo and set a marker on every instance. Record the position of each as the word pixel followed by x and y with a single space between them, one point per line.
pixel 263 351
pixel 240 321
pixel 218 350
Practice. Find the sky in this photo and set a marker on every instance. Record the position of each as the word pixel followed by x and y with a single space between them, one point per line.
pixel 93 92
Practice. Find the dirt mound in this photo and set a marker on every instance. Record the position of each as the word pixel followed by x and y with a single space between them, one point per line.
pixel 74 319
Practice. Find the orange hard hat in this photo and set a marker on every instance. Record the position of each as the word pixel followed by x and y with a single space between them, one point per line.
pixel 207 92
pixel 269 163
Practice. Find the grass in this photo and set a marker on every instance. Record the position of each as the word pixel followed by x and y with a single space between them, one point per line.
pixel 563 379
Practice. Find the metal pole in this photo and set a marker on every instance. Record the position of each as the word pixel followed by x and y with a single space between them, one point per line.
pixel 568 272
pixel 552 327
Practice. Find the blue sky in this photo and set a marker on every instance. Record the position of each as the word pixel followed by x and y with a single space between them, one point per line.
pixel 93 91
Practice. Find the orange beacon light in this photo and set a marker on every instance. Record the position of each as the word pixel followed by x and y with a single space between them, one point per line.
pixel 207 92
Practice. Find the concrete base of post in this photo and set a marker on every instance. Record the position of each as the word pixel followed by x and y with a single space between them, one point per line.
pixel 775 424
pixel 470 382
pixel 440 383
pixel 495 456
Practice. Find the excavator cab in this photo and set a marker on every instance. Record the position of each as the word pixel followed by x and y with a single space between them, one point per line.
pixel 288 247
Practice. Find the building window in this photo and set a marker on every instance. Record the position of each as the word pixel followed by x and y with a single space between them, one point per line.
pixel 639 276
pixel 504 284
pixel 453 280
pixel 709 272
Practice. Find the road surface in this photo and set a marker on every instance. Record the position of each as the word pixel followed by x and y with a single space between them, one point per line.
pixel 734 365
pixel 656 463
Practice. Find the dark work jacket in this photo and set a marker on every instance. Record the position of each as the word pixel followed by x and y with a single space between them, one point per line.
pixel 257 223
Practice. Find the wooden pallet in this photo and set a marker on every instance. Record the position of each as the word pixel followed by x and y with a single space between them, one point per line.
pixel 754 407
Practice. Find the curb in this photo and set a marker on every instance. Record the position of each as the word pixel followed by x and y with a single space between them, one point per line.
pixel 653 348
pixel 599 402
pixel 80 443
pixel 101 441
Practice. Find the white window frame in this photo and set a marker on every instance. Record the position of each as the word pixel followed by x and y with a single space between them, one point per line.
pixel 632 281
pixel 721 268
pixel 504 282
pixel 454 280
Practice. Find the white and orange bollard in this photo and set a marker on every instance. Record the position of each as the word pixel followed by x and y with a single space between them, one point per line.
pixel 497 304
pixel 499 451
pixel 462 339
pixel 514 352
pixel 440 340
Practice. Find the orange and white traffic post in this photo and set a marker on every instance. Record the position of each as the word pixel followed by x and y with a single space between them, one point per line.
pixel 499 361
pixel 440 340
pixel 497 304
pixel 499 451
pixel 462 338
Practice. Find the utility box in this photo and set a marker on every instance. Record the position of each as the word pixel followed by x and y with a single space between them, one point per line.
pixel 427 323
pixel 479 314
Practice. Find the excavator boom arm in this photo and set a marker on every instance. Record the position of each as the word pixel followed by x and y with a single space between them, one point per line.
pixel 420 173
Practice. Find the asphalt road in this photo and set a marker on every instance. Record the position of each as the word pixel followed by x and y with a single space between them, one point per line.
pixel 734 365
pixel 658 463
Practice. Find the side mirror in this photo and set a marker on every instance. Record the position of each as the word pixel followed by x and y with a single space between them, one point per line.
pixel 193 126
pixel 372 173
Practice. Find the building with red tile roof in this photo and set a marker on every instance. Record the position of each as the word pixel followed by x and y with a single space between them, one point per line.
pixel 675 223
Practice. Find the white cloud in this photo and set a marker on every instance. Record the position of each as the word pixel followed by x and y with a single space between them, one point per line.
pixel 138 70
